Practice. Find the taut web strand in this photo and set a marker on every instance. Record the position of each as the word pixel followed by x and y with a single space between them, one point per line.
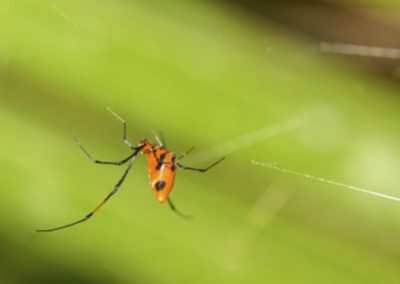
pixel 351 187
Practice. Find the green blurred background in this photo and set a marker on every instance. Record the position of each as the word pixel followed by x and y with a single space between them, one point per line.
pixel 245 80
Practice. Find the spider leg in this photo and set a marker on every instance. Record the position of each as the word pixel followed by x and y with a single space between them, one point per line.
pixel 98 207
pixel 159 138
pixel 173 208
pixel 200 169
pixel 94 160
pixel 185 153
pixel 124 124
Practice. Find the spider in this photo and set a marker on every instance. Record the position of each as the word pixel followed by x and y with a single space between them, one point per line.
pixel 161 165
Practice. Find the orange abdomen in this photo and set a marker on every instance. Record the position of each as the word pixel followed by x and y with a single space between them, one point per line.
pixel 161 167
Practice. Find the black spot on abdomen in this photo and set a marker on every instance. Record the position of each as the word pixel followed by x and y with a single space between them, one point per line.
pixel 160 185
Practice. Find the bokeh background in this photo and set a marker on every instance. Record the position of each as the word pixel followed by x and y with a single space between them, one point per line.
pixel 309 85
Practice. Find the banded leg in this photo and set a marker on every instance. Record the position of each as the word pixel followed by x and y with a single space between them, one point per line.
pixel 200 169
pixel 98 207
pixel 94 160
pixel 173 208
pixel 124 124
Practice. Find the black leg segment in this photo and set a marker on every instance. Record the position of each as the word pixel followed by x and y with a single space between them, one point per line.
pixel 94 160
pixel 173 208
pixel 98 207
pixel 200 169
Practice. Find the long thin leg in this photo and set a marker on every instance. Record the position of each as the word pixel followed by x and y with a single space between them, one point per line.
pixel 98 207
pixel 94 160
pixel 124 124
pixel 185 153
pixel 172 206
pixel 199 169
pixel 160 139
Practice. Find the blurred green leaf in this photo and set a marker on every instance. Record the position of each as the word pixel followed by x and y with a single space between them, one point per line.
pixel 205 75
